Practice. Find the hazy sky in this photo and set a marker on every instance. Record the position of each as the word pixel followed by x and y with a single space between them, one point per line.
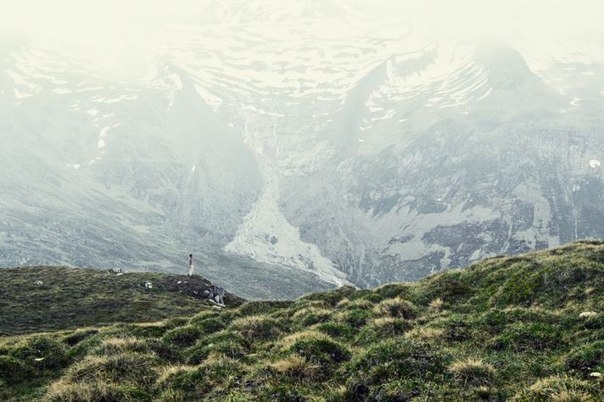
pixel 66 17
pixel 122 27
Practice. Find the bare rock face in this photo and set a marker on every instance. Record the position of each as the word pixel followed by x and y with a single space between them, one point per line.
pixel 288 167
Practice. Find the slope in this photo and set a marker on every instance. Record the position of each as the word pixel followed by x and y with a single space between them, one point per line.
pixel 520 328
pixel 38 299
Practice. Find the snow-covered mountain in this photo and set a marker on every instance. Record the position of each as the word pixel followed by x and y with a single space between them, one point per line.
pixel 297 146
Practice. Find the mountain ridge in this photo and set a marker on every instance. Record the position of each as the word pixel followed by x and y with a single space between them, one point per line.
pixel 303 154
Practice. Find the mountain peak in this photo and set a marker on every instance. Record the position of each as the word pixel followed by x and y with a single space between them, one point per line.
pixel 507 68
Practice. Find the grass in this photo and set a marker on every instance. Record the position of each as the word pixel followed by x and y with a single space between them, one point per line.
pixel 525 328
pixel 49 298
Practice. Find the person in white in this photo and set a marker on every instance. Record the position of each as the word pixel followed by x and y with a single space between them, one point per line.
pixel 191 267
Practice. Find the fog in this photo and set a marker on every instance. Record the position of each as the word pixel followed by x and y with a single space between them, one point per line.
pixel 101 26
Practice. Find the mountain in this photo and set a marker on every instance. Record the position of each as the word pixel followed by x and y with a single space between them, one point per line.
pixel 528 327
pixel 294 147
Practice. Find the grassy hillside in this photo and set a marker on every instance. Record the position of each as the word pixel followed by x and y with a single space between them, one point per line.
pixel 50 298
pixel 527 328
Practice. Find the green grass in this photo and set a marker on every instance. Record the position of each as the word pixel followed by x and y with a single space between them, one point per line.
pixel 503 329
pixel 72 298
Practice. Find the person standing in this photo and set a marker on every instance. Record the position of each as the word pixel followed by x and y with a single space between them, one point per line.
pixel 191 267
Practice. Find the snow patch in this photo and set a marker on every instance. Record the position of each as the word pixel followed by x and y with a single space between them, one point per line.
pixel 595 164
pixel 210 98
pixel 21 95
pixel 62 91
pixel 265 235
pixel 103 135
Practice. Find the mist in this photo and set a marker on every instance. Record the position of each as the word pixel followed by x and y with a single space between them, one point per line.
pixel 127 35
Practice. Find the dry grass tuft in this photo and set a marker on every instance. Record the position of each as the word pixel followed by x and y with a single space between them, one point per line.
pixel 472 372
pixel 426 333
pixel 296 367
pixel 288 341
pixel 397 308
pixel 436 305
pixel 257 327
